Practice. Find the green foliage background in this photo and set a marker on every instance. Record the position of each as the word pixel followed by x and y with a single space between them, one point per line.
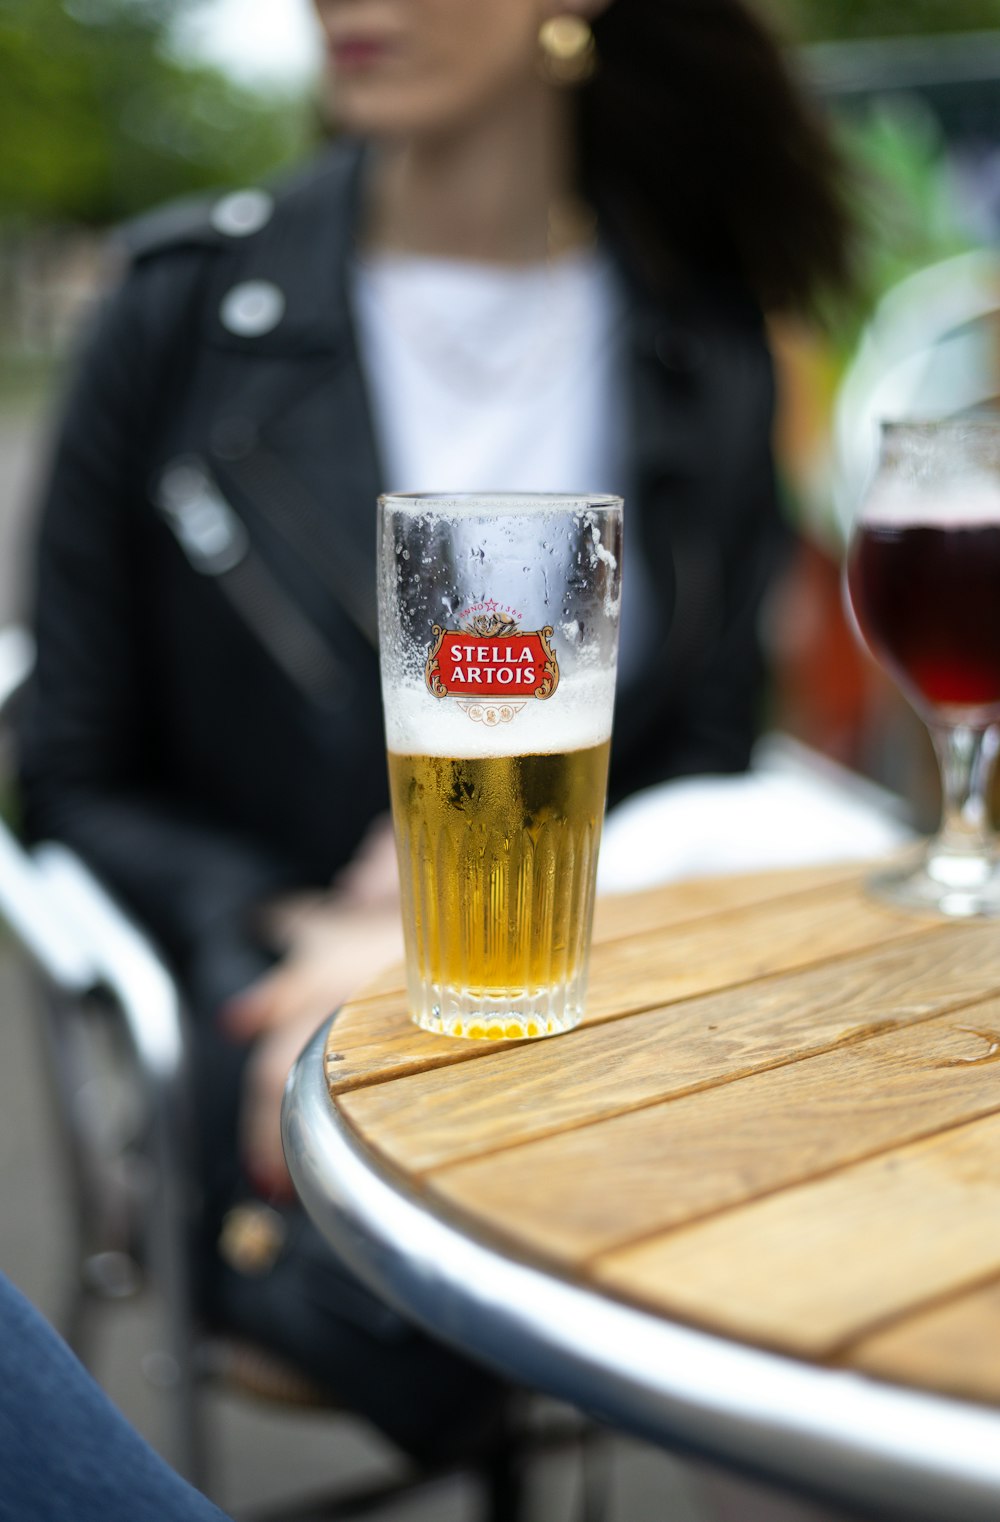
pixel 823 20
pixel 99 119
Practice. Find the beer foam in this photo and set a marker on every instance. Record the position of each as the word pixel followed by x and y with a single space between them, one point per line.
pixel 967 502
pixel 576 717
pixel 491 504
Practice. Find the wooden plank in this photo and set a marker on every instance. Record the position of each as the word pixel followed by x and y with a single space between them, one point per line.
pixel 593 1189
pixel 625 914
pixel 377 1039
pixel 659 967
pixel 816 1266
pixel 622 914
pixel 950 1348
pixel 520 1093
pixel 528 1091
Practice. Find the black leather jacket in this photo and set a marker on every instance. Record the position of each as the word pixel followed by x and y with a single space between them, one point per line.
pixel 204 724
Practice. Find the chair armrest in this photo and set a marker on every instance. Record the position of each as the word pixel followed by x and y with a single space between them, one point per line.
pixel 44 930
pixel 50 937
pixel 72 927
pixel 17 656
pixel 125 961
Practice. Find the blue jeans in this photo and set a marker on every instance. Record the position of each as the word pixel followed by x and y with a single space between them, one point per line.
pixel 65 1451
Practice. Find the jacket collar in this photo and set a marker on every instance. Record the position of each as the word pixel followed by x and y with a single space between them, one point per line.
pixel 291 439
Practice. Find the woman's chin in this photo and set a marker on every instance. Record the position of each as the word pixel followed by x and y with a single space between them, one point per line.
pixel 379 108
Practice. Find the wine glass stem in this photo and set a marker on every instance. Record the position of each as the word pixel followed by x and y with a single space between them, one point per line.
pixel 967 757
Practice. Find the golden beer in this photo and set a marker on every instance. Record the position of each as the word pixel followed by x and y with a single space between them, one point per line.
pixel 497 859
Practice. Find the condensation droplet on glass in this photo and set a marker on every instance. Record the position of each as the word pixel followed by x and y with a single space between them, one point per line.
pixel 406 554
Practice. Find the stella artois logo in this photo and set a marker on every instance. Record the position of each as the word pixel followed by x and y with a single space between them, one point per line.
pixel 490 663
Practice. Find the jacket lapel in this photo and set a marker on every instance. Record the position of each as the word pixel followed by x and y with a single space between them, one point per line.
pixel 312 475
pixel 293 444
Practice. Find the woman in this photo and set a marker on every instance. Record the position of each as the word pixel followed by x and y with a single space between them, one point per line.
pixel 539 261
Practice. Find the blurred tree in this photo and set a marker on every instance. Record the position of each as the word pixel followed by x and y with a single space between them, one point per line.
pixel 822 20
pixel 99 121
pixel 910 204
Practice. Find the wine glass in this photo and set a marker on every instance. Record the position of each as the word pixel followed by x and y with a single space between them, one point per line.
pixel 923 579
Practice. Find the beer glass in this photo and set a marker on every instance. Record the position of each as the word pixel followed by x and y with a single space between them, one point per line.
pixel 923 578
pixel 498 633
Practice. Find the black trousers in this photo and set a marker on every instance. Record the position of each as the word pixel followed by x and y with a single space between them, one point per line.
pixel 308 1307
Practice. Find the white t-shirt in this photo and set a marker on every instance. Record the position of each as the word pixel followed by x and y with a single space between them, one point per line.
pixel 498 378
pixel 491 377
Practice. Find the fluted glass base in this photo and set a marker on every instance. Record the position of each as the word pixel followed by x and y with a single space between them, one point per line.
pixel 953 883
pixel 515 1015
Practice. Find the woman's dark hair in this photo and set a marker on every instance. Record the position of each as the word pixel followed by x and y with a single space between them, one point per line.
pixel 700 150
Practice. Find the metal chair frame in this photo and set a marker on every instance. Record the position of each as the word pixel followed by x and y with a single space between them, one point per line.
pixel 95 965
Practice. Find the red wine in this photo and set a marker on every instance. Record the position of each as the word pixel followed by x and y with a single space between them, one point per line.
pixel 927 600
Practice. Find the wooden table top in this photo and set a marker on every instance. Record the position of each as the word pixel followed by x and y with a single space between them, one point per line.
pixel 779 1121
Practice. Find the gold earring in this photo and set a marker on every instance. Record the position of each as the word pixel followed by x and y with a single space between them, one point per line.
pixel 568 52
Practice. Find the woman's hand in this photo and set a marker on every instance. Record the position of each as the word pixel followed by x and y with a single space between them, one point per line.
pixel 338 949
pixel 335 944
pixel 284 1008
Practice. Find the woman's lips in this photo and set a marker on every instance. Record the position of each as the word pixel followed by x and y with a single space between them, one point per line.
pixel 358 52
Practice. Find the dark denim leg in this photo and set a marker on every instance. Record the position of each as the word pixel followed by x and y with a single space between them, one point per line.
pixel 65 1450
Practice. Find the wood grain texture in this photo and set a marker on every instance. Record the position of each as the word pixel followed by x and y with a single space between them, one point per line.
pixel 951 1347
pixel 627 914
pixel 593 1189
pixel 375 1037
pixel 816 1266
pixel 532 1090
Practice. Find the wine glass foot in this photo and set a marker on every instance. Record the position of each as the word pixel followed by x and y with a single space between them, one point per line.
pixel 954 884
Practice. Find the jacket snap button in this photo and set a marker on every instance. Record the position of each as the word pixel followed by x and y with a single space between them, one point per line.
pixel 252 308
pixel 242 213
